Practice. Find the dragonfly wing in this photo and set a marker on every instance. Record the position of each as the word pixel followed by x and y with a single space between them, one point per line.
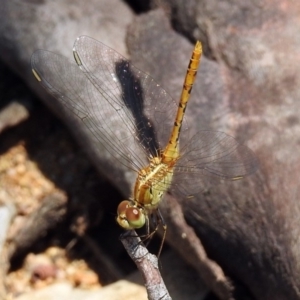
pixel 92 104
pixel 209 158
pixel 150 109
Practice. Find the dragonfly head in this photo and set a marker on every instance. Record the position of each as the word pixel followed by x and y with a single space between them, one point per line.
pixel 130 216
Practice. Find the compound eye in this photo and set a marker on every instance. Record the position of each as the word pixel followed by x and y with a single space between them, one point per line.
pixel 129 216
pixel 135 217
pixel 121 218
pixel 122 208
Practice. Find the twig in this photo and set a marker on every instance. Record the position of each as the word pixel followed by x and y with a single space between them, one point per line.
pixel 47 216
pixel 147 263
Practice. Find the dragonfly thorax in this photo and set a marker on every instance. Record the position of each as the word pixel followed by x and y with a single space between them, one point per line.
pixel 151 184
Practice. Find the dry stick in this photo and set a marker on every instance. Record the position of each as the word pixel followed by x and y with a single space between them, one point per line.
pixel 147 263
pixel 52 210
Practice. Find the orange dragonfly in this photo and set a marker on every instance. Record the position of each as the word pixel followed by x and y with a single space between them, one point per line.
pixel 102 85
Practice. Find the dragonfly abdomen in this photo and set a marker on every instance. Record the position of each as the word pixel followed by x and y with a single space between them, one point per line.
pixel 171 150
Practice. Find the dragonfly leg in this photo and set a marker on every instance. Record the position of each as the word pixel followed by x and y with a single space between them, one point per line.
pixel 164 226
pixel 157 221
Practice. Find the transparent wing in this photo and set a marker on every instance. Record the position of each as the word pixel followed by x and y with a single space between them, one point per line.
pixel 120 106
pixel 150 110
pixel 208 158
pixel 127 113
pixel 65 81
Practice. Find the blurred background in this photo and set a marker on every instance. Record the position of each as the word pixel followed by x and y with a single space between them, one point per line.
pixel 58 195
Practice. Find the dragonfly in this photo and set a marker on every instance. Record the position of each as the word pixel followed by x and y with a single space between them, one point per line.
pixel 103 90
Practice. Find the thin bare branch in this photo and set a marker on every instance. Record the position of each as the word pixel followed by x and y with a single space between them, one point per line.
pixel 147 263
